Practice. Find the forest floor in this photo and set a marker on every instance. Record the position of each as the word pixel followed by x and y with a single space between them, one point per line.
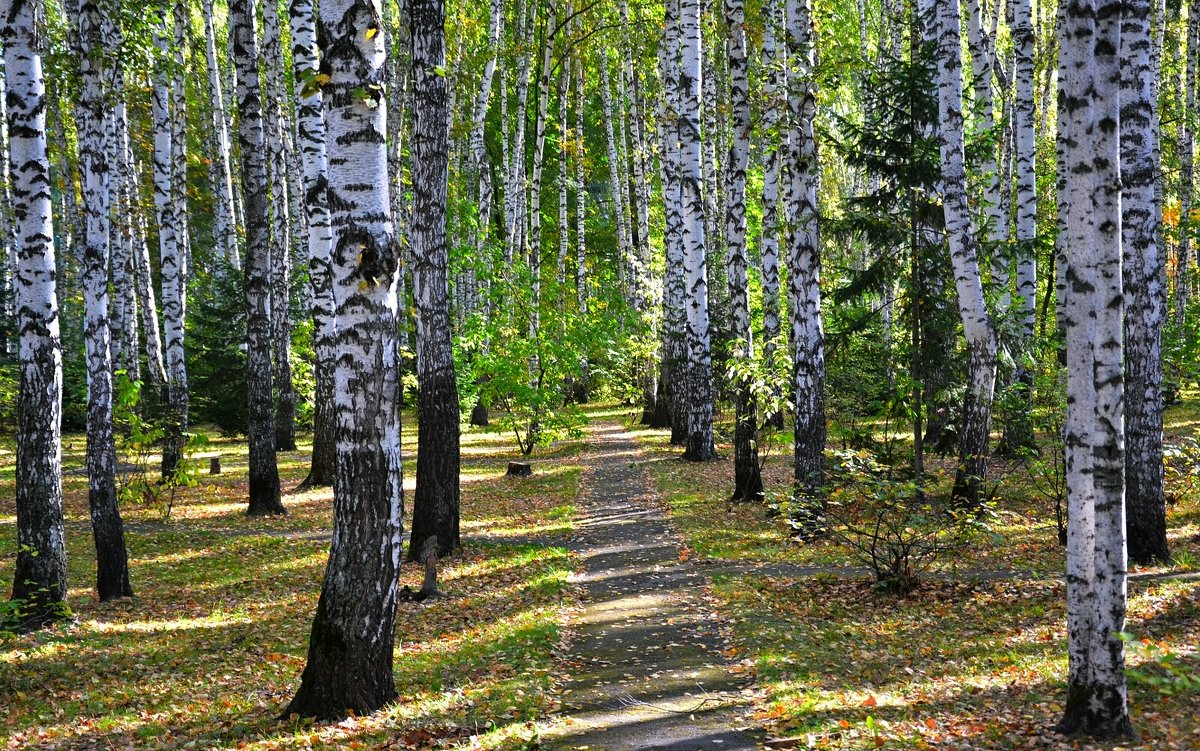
pixel 974 658
pixel 790 640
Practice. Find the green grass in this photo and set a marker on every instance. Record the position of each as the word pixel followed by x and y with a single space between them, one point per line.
pixel 958 664
pixel 211 648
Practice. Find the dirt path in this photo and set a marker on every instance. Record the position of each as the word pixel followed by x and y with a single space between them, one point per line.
pixel 646 663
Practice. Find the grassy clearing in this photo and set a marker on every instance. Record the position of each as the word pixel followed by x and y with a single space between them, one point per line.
pixel 211 649
pixel 962 663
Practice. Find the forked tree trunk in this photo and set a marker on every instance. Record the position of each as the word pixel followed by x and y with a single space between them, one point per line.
pixel 112 562
pixel 40 579
pixel 310 127
pixel 436 501
pixel 977 323
pixel 350 650
pixel 1144 277
pixel 1089 41
pixel 264 472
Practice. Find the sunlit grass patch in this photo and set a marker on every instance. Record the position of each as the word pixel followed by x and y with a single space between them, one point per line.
pixel 212 647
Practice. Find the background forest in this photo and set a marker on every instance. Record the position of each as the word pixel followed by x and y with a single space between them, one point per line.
pixel 910 286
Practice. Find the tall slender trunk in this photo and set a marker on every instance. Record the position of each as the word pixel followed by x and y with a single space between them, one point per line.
pixel 977 323
pixel 225 238
pixel 1091 43
pixel 436 501
pixel 351 647
pixel 581 289
pixel 670 401
pixel 774 93
pixel 698 369
pixel 180 16
pixel 112 562
pixel 310 129
pixel 804 253
pixel 626 263
pixel 534 237
pixel 157 370
pixel 260 433
pixel 40 579
pixel 172 256
pixel 276 125
pixel 747 483
pixel 1144 276
pixel 1187 150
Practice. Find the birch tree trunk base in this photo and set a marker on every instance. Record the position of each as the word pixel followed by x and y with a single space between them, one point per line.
pixel 1095 711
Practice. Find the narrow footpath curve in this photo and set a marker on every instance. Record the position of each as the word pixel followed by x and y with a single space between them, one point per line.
pixel 645 657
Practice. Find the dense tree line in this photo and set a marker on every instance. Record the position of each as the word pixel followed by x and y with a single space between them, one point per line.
pixel 523 205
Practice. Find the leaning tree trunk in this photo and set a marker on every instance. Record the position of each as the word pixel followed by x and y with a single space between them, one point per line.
pixel 40 579
pixel 1143 269
pixel 436 501
pixel 353 636
pixel 112 561
pixel 260 433
pixel 1090 41
pixel 310 126
pixel 977 323
pixel 698 385
pixel 747 482
pixel 172 260
pixel 804 254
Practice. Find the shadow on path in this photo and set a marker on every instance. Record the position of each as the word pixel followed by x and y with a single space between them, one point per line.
pixel 645 660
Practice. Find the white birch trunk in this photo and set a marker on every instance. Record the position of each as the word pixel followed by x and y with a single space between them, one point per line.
pixel 698 381
pixel 977 323
pixel 310 129
pixel 351 648
pixel 1089 42
pixel 225 237
pixel 40 578
pixel 172 259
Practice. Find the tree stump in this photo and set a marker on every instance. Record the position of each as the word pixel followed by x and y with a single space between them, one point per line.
pixel 214 465
pixel 519 469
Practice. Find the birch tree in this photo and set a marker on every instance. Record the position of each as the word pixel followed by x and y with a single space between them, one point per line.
pixel 225 238
pixel 40 579
pixel 260 433
pixel 698 379
pixel 275 122
pixel 1144 283
pixel 747 483
pixel 112 561
pixel 351 646
pixel 774 93
pixel 172 255
pixel 1089 41
pixel 804 253
pixel 436 501
pixel 977 322
pixel 310 129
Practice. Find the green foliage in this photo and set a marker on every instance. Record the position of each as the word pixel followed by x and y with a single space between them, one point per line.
pixel 890 523
pixel 216 331
pixel 1163 668
pixel 138 441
